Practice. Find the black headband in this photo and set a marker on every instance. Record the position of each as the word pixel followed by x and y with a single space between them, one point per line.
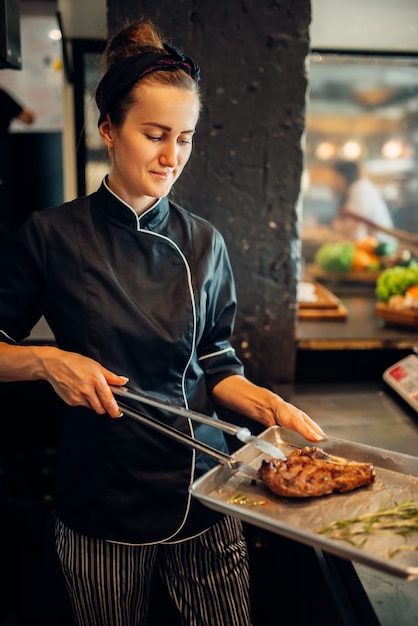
pixel 123 76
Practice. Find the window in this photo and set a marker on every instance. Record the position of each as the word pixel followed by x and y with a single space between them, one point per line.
pixel 361 107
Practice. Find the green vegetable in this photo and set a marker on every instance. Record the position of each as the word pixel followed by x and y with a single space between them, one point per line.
pixel 335 257
pixel 396 281
pixel 241 498
pixel 401 519
pixel 386 247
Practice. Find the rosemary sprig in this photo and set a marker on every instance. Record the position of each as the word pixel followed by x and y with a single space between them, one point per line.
pixel 401 519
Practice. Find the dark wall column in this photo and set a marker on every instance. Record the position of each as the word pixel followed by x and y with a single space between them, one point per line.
pixel 245 171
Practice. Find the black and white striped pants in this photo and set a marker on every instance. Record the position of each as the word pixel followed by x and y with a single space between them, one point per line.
pixel 207 577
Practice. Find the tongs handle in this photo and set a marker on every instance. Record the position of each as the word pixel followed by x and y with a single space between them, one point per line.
pixel 240 432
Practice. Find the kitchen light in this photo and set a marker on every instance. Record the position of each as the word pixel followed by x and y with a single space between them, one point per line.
pixel 351 150
pixel 55 34
pixel 325 151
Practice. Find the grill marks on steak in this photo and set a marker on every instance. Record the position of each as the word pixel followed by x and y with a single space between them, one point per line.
pixel 310 472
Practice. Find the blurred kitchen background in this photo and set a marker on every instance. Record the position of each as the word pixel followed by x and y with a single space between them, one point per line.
pixel 362 103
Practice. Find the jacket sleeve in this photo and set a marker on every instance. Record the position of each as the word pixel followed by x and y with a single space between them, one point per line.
pixel 22 281
pixel 216 355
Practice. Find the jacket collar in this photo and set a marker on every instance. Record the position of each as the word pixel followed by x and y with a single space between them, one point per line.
pixel 120 211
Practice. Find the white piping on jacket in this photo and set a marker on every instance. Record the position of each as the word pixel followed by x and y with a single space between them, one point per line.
pixel 212 354
pixel 193 302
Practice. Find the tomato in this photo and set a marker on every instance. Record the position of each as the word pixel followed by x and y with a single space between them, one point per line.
pixel 412 291
pixel 369 244
pixel 363 260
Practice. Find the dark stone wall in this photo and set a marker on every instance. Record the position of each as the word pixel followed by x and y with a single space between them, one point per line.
pixel 244 174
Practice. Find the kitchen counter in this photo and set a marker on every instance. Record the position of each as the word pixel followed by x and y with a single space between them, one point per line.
pixel 360 330
pixel 373 414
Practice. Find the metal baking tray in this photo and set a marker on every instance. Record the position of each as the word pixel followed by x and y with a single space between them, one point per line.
pixel 301 519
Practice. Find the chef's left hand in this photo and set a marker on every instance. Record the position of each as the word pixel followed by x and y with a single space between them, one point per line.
pixel 262 405
pixel 289 416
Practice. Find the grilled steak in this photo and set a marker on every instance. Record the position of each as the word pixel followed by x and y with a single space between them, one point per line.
pixel 312 472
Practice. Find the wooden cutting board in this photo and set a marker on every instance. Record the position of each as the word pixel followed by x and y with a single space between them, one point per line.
pixel 325 307
pixel 404 317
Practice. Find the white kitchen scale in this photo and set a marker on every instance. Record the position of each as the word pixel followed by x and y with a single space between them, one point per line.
pixel 403 378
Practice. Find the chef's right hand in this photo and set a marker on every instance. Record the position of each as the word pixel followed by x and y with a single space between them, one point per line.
pixel 80 380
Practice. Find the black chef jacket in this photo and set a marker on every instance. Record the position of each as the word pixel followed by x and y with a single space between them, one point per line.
pixel 151 298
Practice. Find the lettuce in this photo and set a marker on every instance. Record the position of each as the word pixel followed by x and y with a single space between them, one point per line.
pixel 335 256
pixel 396 281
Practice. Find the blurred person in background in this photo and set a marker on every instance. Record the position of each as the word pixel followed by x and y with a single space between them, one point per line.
pixel 10 109
pixel 359 198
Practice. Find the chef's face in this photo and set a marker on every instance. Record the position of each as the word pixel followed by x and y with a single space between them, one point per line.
pixel 153 144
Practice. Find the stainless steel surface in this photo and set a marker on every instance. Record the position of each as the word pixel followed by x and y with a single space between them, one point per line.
pixel 265 446
pixel 301 519
pixel 242 433
pixel 370 413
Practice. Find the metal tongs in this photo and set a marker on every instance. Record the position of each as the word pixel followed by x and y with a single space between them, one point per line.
pixel 242 433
